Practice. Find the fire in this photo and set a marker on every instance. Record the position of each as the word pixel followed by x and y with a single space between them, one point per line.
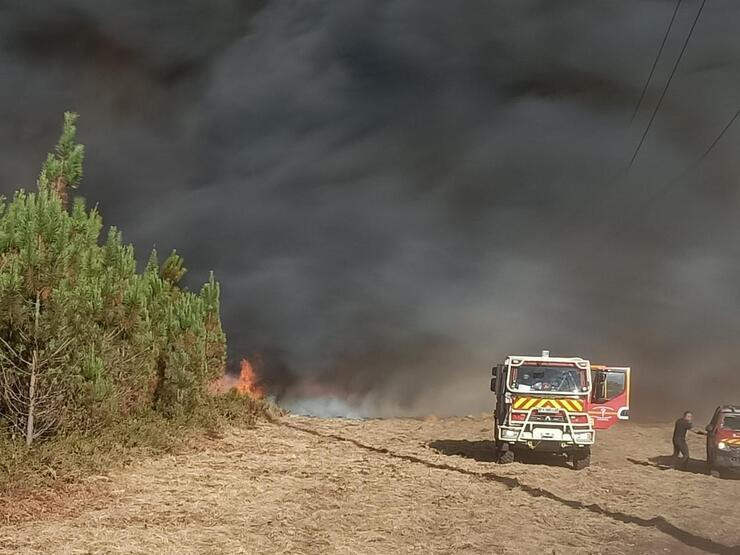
pixel 247 383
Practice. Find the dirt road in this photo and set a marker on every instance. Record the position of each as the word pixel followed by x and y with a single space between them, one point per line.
pixel 303 485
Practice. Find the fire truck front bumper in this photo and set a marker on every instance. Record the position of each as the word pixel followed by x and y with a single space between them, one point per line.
pixel 729 459
pixel 546 434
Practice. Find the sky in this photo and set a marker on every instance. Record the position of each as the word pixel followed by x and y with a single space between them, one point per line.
pixel 396 195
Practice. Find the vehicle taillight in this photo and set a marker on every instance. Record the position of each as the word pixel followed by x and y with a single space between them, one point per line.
pixel 519 416
pixel 579 419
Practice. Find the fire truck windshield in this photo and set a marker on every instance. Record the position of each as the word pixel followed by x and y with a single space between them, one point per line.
pixel 731 422
pixel 560 379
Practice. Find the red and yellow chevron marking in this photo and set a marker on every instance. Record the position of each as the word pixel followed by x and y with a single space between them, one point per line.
pixel 732 441
pixel 526 403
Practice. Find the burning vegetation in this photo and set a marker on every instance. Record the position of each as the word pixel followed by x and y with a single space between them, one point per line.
pixel 246 383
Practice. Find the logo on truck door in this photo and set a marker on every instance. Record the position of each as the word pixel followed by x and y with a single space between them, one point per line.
pixel 603 413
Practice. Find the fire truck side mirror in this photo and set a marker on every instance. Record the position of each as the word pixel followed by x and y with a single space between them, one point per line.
pixel 494 373
pixel 493 383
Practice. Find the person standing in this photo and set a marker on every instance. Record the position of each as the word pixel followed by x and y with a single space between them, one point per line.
pixel 680 447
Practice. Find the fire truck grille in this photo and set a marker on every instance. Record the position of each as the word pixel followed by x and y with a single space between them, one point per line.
pixel 547 417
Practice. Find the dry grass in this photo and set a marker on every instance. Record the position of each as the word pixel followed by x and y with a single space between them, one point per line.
pixel 53 470
pixel 279 489
pixel 60 501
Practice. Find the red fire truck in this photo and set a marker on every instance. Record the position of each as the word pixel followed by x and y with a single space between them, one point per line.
pixel 555 404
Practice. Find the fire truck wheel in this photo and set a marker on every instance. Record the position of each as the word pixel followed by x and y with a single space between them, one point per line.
pixel 581 461
pixel 506 457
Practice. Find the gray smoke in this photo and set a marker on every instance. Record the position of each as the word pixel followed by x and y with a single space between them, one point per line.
pixel 397 194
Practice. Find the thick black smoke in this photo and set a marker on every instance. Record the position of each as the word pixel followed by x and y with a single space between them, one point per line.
pixel 396 194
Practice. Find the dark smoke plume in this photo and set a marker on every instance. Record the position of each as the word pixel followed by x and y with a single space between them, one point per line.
pixel 397 194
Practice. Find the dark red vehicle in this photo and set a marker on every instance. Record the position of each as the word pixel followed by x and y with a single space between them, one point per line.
pixel 723 441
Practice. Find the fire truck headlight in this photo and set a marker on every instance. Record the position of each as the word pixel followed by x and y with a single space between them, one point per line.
pixel 509 434
pixel 722 445
pixel 583 436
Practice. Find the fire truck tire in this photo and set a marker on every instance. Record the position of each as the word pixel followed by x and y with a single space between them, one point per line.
pixel 506 457
pixel 581 461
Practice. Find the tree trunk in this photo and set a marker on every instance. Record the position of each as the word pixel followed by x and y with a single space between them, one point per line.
pixel 31 399
pixel 59 186
pixel 34 368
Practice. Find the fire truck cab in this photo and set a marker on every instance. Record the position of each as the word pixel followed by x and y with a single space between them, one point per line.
pixel 555 404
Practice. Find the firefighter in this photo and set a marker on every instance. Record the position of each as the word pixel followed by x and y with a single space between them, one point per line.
pixel 680 447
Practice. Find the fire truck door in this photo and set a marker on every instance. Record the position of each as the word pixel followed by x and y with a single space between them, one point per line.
pixel 610 398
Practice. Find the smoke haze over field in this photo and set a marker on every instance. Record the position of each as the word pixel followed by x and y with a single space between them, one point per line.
pixel 397 194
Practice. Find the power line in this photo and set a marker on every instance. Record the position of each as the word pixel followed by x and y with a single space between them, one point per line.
pixel 611 186
pixel 597 241
pixel 668 83
pixel 568 222
pixel 686 171
pixel 655 62
pixel 719 137
pixel 625 225
pixel 665 188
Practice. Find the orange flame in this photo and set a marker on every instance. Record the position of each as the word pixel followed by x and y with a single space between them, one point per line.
pixel 246 383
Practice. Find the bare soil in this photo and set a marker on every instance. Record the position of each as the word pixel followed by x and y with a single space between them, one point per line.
pixel 303 485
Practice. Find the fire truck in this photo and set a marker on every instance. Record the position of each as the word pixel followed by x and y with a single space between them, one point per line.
pixel 555 405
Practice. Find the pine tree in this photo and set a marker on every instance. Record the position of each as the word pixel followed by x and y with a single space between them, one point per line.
pixel 83 337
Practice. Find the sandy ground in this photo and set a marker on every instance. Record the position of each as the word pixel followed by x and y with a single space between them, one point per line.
pixel 302 485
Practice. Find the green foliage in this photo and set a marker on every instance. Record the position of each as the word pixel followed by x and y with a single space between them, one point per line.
pixel 63 167
pixel 173 269
pixel 84 339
